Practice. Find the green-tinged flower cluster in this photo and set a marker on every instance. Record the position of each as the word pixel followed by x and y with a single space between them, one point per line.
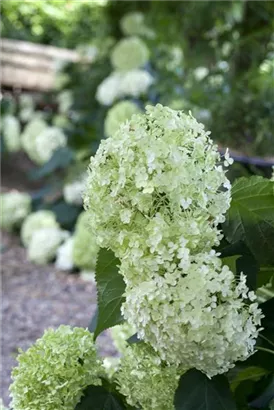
pixel 156 194
pixel 44 244
pixel 40 141
pixel 53 373
pixel 145 381
pixel 196 316
pixel 85 249
pixel 117 85
pixel 120 334
pixel 27 107
pixel 15 206
pixel 11 133
pixel 36 221
pixel 129 53
pixel 159 181
pixel 132 24
pixel 28 138
pixel 118 114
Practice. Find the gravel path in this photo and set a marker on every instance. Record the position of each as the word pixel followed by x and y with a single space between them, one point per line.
pixel 35 298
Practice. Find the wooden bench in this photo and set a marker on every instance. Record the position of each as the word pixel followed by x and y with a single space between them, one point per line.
pixel 30 66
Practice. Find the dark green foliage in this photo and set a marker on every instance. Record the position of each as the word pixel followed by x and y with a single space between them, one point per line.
pixel 110 289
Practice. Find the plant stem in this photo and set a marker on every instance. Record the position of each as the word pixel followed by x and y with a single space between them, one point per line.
pixel 263 349
pixel 265 338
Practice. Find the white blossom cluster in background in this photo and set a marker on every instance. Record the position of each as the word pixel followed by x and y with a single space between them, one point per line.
pixel 35 221
pixel 74 189
pixel 128 58
pixel 40 141
pixel 11 133
pixel 118 85
pixel 15 206
pixel 133 24
pixel 129 53
pixel 156 194
pixel 44 244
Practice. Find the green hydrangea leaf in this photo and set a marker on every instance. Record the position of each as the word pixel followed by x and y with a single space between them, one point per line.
pixel 98 398
pixel 248 373
pixel 251 216
pixel 197 391
pixel 61 158
pixel 110 290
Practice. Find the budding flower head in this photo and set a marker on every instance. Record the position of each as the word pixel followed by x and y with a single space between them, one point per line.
pixel 53 373
pixel 145 381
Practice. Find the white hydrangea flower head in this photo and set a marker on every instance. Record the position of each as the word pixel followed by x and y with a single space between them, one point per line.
pixel 109 89
pixel 145 381
pixel 11 133
pixel 44 244
pixel 27 106
pixel 73 190
pixel 53 373
pixel 65 101
pixel 132 23
pixel 118 114
pixel 196 315
pixel 272 177
pixel 200 73
pixel 35 221
pixel 120 334
pixel 135 83
pixel 48 141
pixel 155 187
pixel 29 136
pixel 15 206
pixel 117 85
pixel 129 53
pixel 85 248
pixel 64 256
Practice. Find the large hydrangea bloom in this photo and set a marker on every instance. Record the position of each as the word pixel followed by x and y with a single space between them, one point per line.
pixel 145 381
pixel 117 85
pixel 85 248
pixel 35 221
pixel 129 53
pixel 53 373
pixel 15 206
pixel 119 113
pixel 196 316
pixel 155 185
pixel 156 193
